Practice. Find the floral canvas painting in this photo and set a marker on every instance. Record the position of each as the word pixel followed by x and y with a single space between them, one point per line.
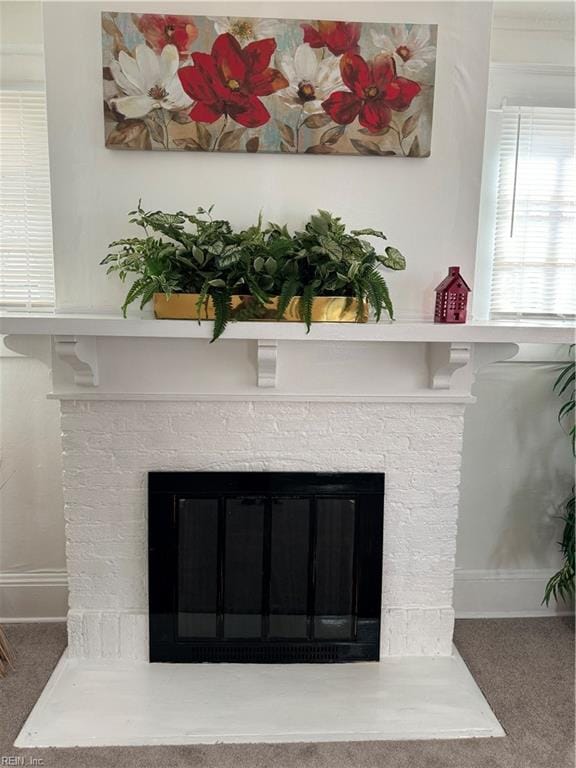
pixel 228 84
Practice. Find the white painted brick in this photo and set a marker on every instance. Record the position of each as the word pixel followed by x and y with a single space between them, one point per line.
pixel 91 532
pixel 417 632
pixel 92 629
pixel 110 631
pixel 75 634
pixel 107 634
pixel 109 446
pixel 110 551
pixel 134 636
pixel 411 581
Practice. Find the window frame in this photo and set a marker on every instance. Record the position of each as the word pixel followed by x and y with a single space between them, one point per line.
pixel 517 85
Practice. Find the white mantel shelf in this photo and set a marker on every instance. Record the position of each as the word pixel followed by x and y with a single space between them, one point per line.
pixel 449 348
pixel 399 331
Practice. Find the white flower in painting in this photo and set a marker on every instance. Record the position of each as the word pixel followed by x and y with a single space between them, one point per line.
pixel 411 49
pixel 245 30
pixel 150 81
pixel 311 79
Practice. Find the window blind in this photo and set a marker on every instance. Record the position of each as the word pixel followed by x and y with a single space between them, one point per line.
pixel 26 258
pixel 534 264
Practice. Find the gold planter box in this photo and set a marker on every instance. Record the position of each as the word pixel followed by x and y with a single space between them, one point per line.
pixel 325 309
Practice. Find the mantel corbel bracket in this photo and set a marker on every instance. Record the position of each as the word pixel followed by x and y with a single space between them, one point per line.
pixel 267 363
pixel 444 359
pixel 493 352
pixel 80 353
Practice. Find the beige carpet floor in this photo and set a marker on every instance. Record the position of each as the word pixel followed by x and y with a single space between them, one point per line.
pixel 524 666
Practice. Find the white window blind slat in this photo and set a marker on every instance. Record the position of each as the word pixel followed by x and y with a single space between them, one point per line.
pixel 534 258
pixel 26 255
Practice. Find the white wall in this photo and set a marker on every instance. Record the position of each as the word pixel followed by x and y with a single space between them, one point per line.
pixel 32 579
pixel 517 465
pixel 31 505
pixel 517 470
pixel 94 187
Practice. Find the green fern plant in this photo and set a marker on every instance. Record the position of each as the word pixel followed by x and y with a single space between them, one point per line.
pixel 333 262
pixel 288 290
pixel 195 253
pixel 180 253
pixel 561 585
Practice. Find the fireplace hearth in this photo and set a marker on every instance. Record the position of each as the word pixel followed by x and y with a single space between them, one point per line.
pixel 265 567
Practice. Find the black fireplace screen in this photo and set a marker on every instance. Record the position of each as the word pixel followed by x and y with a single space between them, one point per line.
pixel 272 567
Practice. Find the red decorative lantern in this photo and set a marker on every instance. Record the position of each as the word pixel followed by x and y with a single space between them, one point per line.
pixel 451 298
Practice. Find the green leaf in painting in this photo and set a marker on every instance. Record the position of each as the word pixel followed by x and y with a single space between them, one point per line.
pixel 109 26
pixel 286 132
pixel 190 145
pixel 332 135
pixel 203 136
pixel 253 144
pixel 319 149
pixel 229 139
pixel 381 132
pixel 317 121
pixel 410 124
pixel 131 134
pixel 415 148
pixel 365 147
pixel 156 126
pixel 182 118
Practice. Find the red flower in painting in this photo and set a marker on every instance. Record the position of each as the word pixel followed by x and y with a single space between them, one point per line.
pixel 338 36
pixel 159 31
pixel 229 80
pixel 375 90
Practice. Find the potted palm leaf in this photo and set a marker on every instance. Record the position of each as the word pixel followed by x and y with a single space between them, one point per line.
pixel 561 585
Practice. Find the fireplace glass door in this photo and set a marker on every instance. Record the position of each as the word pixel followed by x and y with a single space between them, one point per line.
pixel 265 567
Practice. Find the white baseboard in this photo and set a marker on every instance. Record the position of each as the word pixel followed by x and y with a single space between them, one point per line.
pixel 32 620
pixel 33 596
pixel 42 596
pixel 493 594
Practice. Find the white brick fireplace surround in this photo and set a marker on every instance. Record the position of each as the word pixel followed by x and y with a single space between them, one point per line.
pixel 109 446
pixel 141 395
